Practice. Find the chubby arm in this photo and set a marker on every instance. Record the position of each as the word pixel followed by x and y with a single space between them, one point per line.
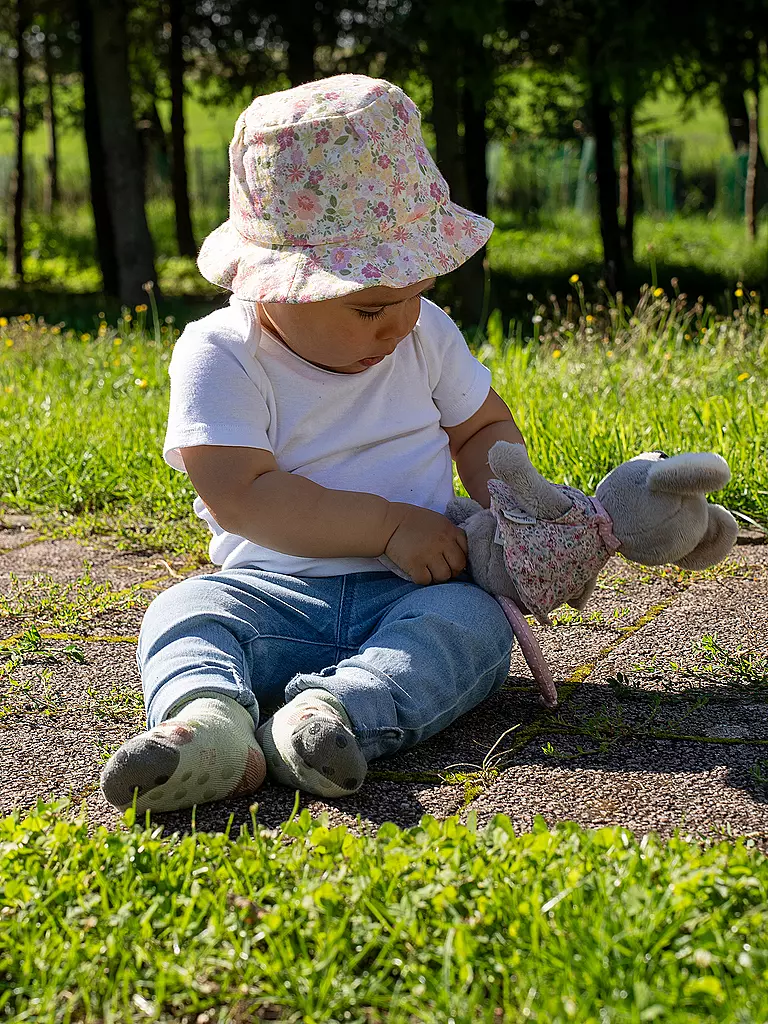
pixel 248 494
pixel 471 441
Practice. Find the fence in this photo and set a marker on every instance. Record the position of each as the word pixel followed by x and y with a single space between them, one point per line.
pixel 526 177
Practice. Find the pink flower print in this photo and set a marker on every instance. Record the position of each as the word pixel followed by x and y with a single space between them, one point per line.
pixel 384 161
pixel 305 205
pixel 448 227
pixel 295 172
pixel 340 259
pixel 334 181
pixel 435 191
pixel 385 252
pixel 285 137
pixel 400 234
pixel 402 113
pixel 443 260
pixel 331 95
pixel 469 227
pixel 421 154
pixel 315 177
pixel 397 186
pixel 360 205
pixel 402 166
pixel 381 210
pixel 322 136
pixel 370 271
pixel 313 262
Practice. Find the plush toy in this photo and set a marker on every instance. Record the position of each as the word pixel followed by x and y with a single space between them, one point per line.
pixel 541 545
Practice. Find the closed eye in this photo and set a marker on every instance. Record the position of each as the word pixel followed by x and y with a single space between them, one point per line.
pixel 368 315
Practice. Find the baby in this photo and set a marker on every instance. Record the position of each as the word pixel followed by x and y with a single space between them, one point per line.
pixel 317 416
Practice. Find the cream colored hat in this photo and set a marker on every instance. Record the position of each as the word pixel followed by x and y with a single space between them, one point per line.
pixel 332 190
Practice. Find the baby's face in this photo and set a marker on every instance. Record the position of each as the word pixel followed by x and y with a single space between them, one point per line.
pixel 349 334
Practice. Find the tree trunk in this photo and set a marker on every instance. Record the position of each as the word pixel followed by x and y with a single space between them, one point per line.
pixel 735 107
pixel 102 218
pixel 477 89
pixel 627 184
pixel 754 149
pixel 445 122
pixel 299 34
pixel 52 162
pixel 16 240
pixel 122 160
pixel 607 186
pixel 184 235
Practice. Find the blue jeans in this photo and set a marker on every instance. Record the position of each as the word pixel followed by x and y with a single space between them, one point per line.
pixel 405 660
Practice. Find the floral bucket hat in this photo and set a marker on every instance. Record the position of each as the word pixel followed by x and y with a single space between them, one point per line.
pixel 332 190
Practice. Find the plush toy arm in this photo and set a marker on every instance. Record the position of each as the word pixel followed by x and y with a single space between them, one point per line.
pixel 460 509
pixel 533 493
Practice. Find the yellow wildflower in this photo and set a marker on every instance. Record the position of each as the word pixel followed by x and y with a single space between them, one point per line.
pixel 85 337
pixel 573 278
pixel 9 389
pixel 738 293
pixel 142 308
pixel 8 342
pixel 609 353
pixel 743 376
pixel 140 382
pixel 3 322
pixel 118 341
pixel 657 292
pixel 55 330
pixel 116 362
pixel 590 318
pixel 556 354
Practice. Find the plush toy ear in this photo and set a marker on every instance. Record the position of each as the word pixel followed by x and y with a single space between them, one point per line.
pixel 535 495
pixel 720 537
pixel 691 473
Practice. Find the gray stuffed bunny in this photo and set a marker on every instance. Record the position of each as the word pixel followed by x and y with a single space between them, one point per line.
pixel 541 545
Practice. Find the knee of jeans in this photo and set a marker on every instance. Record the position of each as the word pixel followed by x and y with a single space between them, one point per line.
pixel 177 602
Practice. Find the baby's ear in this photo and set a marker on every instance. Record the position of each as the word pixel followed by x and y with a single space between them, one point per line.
pixel 718 540
pixel 692 473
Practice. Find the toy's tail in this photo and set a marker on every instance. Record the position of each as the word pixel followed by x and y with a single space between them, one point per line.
pixel 542 673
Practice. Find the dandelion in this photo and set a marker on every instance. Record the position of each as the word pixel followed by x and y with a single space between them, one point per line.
pixel 85 337
pixel 9 342
pixel 738 293
pixel 118 341
pixel 556 354
pixel 140 382
pixel 657 292
pixel 55 330
pixel 609 353
pixel 590 319
pixel 116 362
pixel 573 278
pixel 3 322
pixel 743 376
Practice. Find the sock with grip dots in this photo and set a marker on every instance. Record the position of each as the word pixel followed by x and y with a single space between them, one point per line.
pixel 309 745
pixel 206 751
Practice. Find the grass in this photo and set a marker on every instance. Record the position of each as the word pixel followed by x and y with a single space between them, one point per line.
pixel 440 922
pixel 590 386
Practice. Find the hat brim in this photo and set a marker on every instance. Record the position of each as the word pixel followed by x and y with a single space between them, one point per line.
pixel 434 244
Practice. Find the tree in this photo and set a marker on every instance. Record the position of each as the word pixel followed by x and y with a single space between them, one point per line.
pixel 184 234
pixel 16 240
pixel 120 150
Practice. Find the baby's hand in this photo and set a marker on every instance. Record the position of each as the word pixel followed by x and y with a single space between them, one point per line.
pixel 426 545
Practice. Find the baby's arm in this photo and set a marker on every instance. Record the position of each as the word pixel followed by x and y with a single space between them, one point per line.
pixel 471 441
pixel 249 495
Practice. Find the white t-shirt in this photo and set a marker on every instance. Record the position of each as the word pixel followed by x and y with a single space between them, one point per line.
pixel 378 431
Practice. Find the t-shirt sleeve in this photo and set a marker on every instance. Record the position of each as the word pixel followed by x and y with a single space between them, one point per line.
pixel 460 383
pixel 214 399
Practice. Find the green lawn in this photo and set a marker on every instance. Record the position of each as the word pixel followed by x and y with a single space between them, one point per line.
pixel 85 411
pixel 438 923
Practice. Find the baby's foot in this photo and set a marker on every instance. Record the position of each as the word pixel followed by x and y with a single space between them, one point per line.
pixel 309 745
pixel 207 751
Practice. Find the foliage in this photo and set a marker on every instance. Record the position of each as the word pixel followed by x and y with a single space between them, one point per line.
pixel 438 922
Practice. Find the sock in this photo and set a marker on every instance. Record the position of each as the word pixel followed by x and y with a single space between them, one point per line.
pixel 207 751
pixel 309 745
